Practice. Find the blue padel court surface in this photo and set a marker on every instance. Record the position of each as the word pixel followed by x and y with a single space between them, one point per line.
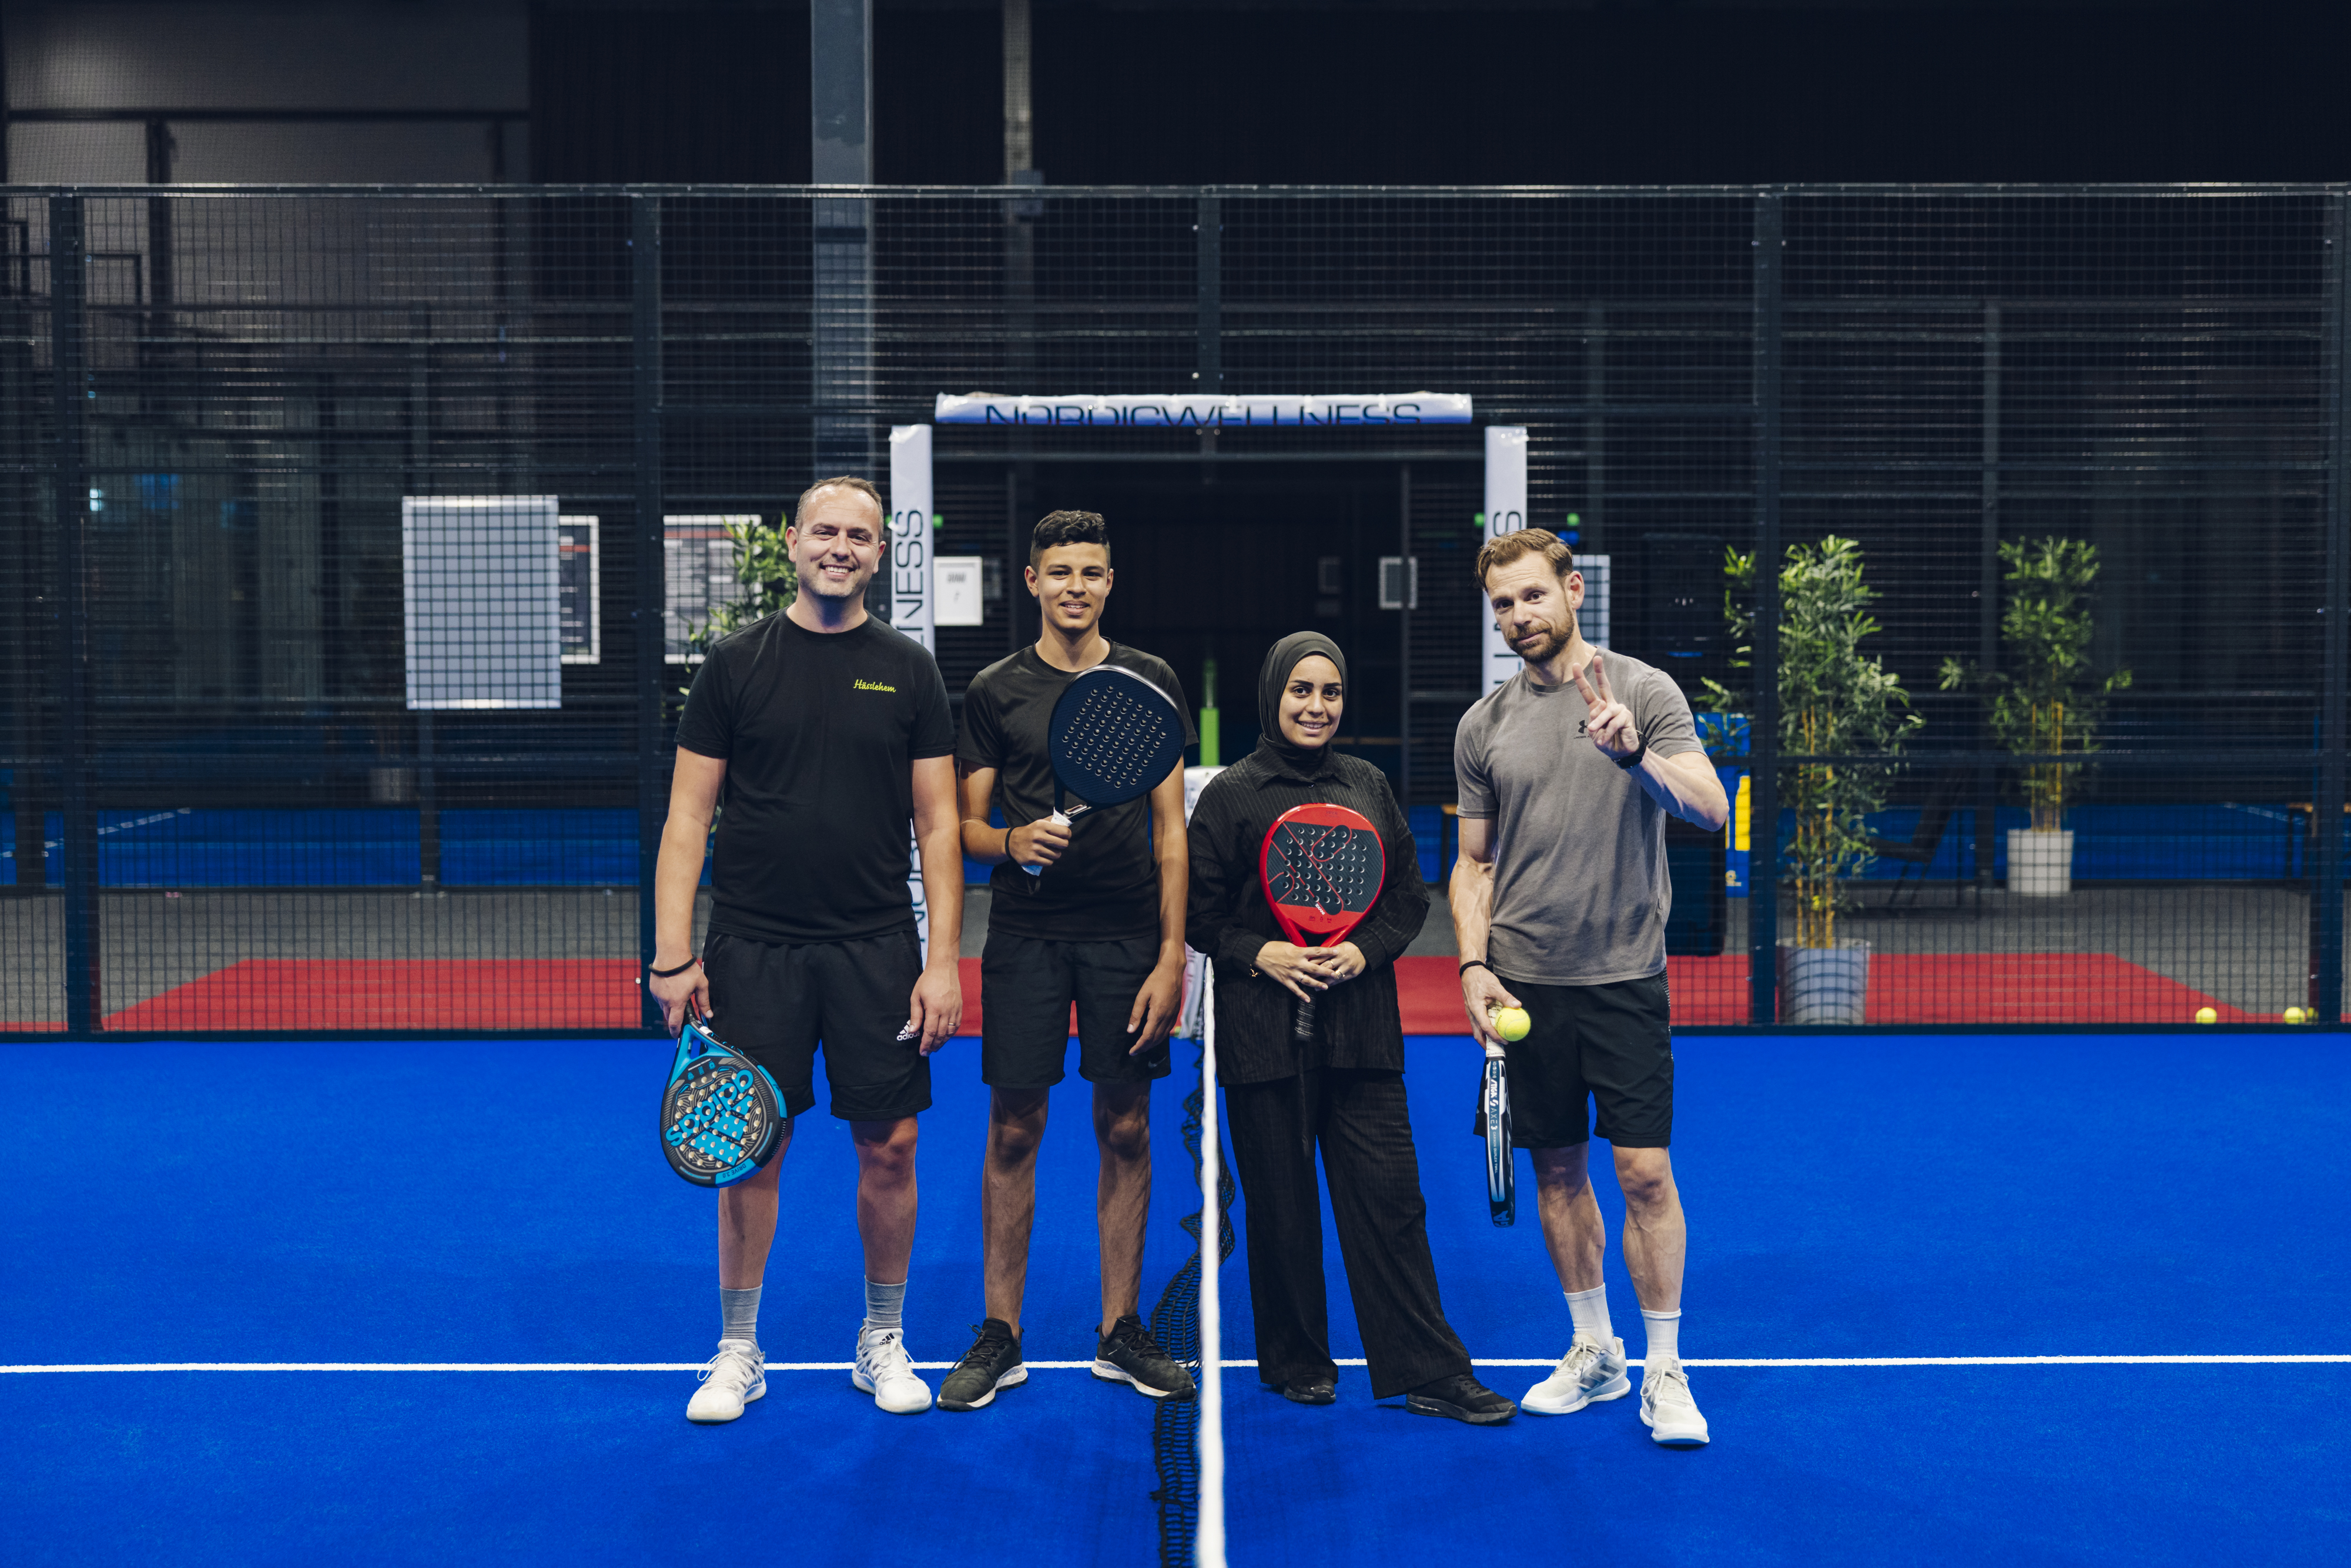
pixel 1851 1200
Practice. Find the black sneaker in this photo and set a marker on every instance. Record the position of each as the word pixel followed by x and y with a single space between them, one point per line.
pixel 1129 1354
pixel 1312 1391
pixel 1462 1397
pixel 992 1363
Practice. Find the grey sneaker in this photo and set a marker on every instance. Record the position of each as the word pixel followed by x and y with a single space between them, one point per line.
pixel 1589 1373
pixel 1666 1408
pixel 730 1380
pixel 992 1363
pixel 1129 1354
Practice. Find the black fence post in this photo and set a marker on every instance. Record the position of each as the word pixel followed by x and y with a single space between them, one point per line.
pixel 1208 250
pixel 645 409
pixel 2326 896
pixel 1404 639
pixel 1986 779
pixel 69 276
pixel 1763 728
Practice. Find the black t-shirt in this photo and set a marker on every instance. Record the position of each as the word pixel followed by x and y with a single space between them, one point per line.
pixel 1106 887
pixel 818 732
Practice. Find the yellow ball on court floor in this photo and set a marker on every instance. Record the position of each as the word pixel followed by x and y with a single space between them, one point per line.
pixel 2206 1015
pixel 2294 1015
pixel 1512 1023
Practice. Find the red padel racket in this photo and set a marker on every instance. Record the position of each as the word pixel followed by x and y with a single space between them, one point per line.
pixel 1322 867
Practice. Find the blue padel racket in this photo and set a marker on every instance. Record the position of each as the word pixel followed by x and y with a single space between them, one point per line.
pixel 1113 738
pixel 720 1114
pixel 1494 1121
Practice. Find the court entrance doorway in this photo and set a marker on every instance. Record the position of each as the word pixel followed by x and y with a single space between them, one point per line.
pixel 1217 558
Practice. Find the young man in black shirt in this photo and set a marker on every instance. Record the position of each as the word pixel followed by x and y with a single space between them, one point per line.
pixel 828 732
pixel 1090 912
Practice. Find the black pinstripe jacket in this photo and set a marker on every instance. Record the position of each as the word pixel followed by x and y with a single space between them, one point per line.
pixel 1228 919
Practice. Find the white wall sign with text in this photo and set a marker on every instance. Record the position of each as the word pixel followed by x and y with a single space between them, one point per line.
pixel 909 566
pixel 1506 513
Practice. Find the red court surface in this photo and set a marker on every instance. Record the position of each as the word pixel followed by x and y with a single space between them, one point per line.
pixel 305 994
pixel 294 994
pixel 1904 988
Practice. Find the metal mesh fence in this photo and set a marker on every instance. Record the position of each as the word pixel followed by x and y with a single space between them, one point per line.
pixel 353 541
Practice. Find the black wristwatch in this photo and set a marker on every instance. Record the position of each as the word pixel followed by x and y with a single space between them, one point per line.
pixel 1629 763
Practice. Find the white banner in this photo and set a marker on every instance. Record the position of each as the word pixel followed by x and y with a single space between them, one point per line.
pixel 910 532
pixel 909 567
pixel 1506 513
pixel 1180 410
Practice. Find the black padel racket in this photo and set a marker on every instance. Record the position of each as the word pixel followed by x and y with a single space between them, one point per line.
pixel 1113 738
pixel 720 1114
pixel 1322 868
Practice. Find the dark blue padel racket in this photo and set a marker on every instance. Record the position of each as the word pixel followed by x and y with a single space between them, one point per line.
pixel 720 1115
pixel 1113 737
pixel 1494 1118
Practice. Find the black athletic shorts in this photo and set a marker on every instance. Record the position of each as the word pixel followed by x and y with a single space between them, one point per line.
pixel 1611 1044
pixel 1026 987
pixel 774 1002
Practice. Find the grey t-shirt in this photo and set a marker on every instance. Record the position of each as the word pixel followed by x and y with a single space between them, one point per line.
pixel 1581 892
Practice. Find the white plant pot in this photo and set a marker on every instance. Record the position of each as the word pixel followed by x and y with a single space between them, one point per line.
pixel 2041 864
pixel 1825 985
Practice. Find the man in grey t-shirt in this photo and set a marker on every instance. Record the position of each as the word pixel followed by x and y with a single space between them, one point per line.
pixel 1559 898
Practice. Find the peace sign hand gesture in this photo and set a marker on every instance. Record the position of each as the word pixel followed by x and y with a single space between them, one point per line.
pixel 1611 721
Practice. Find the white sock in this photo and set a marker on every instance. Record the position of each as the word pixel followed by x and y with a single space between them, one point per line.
pixel 738 1314
pixel 885 1305
pixel 1589 1310
pixel 1665 1336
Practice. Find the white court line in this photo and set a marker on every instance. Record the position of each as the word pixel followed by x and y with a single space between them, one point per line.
pixel 1077 1366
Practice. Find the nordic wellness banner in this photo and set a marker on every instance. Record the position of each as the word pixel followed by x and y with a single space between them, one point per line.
pixel 1143 412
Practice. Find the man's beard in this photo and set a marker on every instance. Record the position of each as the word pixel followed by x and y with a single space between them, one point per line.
pixel 1553 640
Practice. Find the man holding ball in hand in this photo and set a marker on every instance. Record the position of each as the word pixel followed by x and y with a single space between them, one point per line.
pixel 1567 772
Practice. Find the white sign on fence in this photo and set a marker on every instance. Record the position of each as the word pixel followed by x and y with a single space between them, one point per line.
pixel 1190 411
pixel 1506 513
pixel 481 602
pixel 909 569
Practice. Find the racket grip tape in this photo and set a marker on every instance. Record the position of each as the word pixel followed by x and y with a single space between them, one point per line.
pixel 1301 1021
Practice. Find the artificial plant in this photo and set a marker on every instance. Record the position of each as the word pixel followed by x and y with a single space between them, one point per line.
pixel 1834 700
pixel 2046 701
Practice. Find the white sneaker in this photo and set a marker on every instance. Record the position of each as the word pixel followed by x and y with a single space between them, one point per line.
pixel 1666 1408
pixel 884 1371
pixel 1589 1373
pixel 733 1378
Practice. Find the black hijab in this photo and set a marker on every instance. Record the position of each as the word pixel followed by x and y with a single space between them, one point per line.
pixel 1279 663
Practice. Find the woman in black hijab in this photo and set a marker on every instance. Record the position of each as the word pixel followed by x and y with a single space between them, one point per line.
pixel 1344 1088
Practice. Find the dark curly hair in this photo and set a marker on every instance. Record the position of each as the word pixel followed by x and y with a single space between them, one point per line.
pixel 1068 529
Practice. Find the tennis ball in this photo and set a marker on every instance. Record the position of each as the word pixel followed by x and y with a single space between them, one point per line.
pixel 1510 1023
pixel 2206 1015
pixel 2294 1015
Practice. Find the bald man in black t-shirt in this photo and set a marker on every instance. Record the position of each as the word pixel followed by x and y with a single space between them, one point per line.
pixel 828 732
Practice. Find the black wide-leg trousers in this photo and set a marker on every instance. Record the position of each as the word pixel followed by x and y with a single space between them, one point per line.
pixel 1359 1121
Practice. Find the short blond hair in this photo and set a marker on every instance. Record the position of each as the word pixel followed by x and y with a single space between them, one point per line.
pixel 1517 546
pixel 840 482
